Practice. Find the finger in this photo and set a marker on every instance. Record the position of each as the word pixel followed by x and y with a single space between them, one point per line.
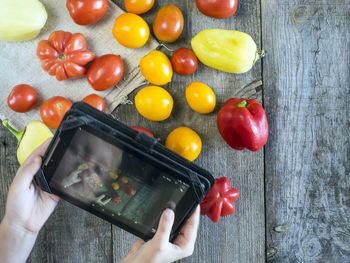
pixel 46 195
pixel 164 228
pixel 188 233
pixel 137 244
pixel 28 169
pixel 26 174
pixel 40 151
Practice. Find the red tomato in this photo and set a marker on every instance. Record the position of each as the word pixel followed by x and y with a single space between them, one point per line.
pixel 95 101
pixel 86 12
pixel 184 61
pixel 168 23
pixel 53 110
pixel 22 98
pixel 143 130
pixel 105 72
pixel 217 8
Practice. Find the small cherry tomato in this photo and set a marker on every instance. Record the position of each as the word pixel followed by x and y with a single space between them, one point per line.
pixel 86 12
pixel 185 142
pixel 116 199
pixel 105 72
pixel 53 110
pixel 217 8
pixel 138 6
pixel 115 186
pixel 156 68
pixel 95 101
pixel 168 23
pixel 142 130
pixel 200 97
pixel 154 103
pixel 130 30
pixel 22 98
pixel 130 190
pixel 184 61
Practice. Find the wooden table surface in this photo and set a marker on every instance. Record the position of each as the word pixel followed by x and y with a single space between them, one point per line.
pixel 295 193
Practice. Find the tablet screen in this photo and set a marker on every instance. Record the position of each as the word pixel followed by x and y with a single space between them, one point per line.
pixel 116 183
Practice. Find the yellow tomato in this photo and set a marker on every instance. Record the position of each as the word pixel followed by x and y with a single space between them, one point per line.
pixel 200 97
pixel 156 68
pixel 185 142
pixel 115 186
pixel 154 103
pixel 138 6
pixel 131 30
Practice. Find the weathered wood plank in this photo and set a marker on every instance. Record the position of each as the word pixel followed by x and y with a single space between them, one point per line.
pixel 238 238
pixel 306 93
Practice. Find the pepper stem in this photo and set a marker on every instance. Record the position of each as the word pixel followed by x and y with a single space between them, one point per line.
pixel 12 130
pixel 242 104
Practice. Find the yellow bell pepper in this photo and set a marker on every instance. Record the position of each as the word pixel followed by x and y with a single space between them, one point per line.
pixel 31 138
pixel 226 50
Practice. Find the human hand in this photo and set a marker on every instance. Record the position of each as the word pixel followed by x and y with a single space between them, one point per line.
pixel 28 207
pixel 159 249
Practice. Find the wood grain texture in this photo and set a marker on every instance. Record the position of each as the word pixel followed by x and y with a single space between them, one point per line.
pixel 306 93
pixel 241 237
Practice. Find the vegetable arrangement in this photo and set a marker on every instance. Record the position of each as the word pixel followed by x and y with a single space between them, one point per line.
pixel 241 122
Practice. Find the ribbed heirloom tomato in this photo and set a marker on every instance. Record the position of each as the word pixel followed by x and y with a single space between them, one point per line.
pixel 156 68
pixel 86 12
pixel 130 30
pixel 105 72
pixel 154 103
pixel 53 110
pixel 22 98
pixel 64 54
pixel 138 6
pixel 185 142
pixel 95 101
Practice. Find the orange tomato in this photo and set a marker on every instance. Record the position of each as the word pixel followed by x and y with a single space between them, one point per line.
pixel 156 68
pixel 200 97
pixel 95 101
pixel 138 6
pixel 130 30
pixel 168 23
pixel 185 142
pixel 53 110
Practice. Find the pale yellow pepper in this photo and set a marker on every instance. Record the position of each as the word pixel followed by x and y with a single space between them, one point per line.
pixel 226 50
pixel 35 133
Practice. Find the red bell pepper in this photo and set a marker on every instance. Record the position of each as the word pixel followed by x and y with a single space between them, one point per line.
pixel 243 124
pixel 219 200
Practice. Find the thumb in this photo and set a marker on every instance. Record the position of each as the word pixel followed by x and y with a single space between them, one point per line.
pixel 164 228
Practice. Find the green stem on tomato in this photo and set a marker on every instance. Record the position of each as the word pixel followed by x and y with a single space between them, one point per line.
pixel 12 130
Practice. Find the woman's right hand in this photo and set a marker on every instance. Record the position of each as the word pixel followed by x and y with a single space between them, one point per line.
pixel 159 249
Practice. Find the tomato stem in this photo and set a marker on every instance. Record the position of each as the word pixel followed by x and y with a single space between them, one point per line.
pixel 12 130
pixel 62 57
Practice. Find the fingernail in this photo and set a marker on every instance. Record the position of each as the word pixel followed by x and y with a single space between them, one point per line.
pixel 169 214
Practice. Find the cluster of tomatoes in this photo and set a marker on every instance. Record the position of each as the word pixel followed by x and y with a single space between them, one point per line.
pixel 65 55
